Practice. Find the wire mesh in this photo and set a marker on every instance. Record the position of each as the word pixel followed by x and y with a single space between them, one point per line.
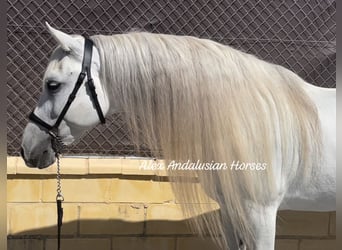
pixel 299 35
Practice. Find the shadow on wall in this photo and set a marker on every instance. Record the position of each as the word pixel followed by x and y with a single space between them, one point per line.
pixel 112 235
pixel 295 231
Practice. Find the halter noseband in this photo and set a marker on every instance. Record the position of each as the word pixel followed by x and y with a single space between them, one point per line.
pixel 86 66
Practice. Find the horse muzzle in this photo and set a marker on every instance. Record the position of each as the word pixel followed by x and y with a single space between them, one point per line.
pixel 44 160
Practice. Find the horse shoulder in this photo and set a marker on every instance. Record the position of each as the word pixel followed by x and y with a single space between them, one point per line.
pixel 320 193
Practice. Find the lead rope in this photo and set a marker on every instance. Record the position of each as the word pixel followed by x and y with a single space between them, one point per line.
pixel 57 146
pixel 59 200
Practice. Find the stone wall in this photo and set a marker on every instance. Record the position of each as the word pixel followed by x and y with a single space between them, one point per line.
pixel 110 204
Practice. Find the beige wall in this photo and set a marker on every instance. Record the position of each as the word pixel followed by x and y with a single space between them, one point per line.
pixel 110 204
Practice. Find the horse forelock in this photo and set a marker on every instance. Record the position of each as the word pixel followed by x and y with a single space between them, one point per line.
pixel 196 99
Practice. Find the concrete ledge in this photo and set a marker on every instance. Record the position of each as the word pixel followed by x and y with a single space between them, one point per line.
pixel 89 165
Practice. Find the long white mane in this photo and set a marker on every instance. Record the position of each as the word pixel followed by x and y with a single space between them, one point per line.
pixel 195 99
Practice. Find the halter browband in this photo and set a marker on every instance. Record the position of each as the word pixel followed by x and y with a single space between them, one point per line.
pixel 86 69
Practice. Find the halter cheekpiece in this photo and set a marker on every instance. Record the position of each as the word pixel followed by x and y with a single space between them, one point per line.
pixel 86 71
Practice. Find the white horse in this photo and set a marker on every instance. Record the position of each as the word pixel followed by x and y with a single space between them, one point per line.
pixel 198 100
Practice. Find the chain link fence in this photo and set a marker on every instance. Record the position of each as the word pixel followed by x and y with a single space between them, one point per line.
pixel 298 34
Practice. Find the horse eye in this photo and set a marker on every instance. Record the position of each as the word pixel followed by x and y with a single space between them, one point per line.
pixel 53 86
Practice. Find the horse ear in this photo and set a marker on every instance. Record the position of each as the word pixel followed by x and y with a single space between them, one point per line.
pixel 67 42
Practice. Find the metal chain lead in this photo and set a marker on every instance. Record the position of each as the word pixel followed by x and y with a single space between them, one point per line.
pixel 57 146
pixel 59 186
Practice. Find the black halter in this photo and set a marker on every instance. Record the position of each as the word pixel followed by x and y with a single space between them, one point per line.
pixel 86 66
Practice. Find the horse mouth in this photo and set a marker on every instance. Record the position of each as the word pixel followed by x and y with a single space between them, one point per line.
pixel 35 166
pixel 38 165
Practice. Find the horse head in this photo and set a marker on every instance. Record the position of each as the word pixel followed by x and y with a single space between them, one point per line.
pixel 62 73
